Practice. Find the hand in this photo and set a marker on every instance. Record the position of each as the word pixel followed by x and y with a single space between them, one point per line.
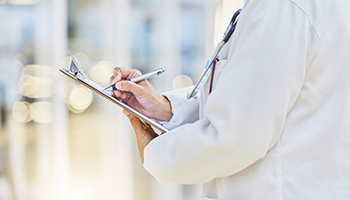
pixel 141 96
pixel 144 133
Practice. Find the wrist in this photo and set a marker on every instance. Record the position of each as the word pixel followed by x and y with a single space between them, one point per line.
pixel 165 110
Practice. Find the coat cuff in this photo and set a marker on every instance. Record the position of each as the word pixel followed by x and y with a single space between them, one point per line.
pixel 179 106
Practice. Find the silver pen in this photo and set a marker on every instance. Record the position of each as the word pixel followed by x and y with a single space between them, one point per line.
pixel 155 73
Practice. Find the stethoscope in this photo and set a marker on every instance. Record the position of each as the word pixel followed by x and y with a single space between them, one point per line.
pixel 207 70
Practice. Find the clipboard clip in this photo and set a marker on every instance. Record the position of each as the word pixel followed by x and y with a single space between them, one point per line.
pixel 75 69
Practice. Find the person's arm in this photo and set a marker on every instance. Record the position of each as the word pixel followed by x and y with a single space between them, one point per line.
pixel 245 113
pixel 184 111
pixel 171 109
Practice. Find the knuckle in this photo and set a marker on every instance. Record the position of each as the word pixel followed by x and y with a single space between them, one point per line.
pixel 137 72
pixel 115 70
pixel 125 85
pixel 134 74
pixel 141 93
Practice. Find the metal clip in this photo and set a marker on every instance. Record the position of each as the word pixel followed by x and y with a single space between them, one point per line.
pixel 74 68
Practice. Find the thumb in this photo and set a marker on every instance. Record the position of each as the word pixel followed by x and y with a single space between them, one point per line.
pixel 141 129
pixel 128 86
pixel 135 122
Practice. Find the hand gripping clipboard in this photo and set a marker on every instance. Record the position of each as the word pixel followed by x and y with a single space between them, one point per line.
pixel 76 74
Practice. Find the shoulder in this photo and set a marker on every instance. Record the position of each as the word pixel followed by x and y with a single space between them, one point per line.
pixel 317 12
pixel 289 11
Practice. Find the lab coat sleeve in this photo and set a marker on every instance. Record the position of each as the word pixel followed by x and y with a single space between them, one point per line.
pixel 179 106
pixel 244 115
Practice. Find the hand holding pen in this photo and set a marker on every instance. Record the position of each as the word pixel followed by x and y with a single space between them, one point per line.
pixel 141 95
pixel 155 73
pixel 143 98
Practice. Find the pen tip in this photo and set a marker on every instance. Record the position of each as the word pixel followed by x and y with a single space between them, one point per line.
pixel 107 88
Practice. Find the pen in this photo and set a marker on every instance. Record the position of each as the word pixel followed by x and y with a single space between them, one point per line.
pixel 155 73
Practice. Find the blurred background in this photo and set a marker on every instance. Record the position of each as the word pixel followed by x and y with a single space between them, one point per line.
pixel 59 140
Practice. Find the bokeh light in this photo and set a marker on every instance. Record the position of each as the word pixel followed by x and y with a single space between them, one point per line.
pixel 36 82
pixel 80 98
pixel 83 61
pixel 101 72
pixel 18 64
pixel 182 81
pixel 65 87
pixel 65 62
pixel 20 112
pixel 21 58
pixel 23 2
pixel 42 112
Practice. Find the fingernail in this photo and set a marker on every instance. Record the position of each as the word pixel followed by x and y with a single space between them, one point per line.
pixel 123 96
pixel 118 85
pixel 112 81
pixel 125 112
pixel 115 93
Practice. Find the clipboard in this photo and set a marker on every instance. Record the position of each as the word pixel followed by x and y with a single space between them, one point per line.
pixel 76 74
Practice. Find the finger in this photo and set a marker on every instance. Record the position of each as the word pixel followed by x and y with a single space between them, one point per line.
pixel 110 80
pixel 153 133
pixel 126 112
pixel 128 86
pixel 119 73
pixel 122 73
pixel 136 123
pixel 148 126
pixel 120 95
pixel 135 73
pixel 117 93
pixel 132 119
pixel 123 95
pixel 145 125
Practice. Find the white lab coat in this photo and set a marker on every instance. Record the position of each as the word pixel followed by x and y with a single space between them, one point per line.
pixel 277 123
